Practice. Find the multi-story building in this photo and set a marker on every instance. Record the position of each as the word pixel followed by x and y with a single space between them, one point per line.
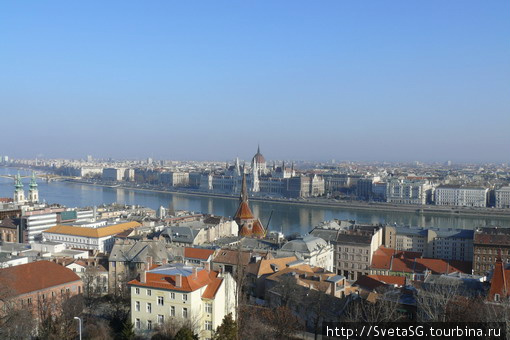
pixel 314 251
pixel 405 191
pixel 175 179
pixel 25 287
pixel 96 239
pixel 354 249
pixel 195 294
pixel 449 244
pixel 113 174
pixel 128 259
pixel 34 223
pixel 8 230
pixel 503 197
pixel 488 244
pixel 461 196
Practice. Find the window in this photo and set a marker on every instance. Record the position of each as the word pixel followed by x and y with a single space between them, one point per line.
pixel 137 306
pixel 137 323
pixel 137 291
pixel 497 297
pixel 172 296
pixel 185 297
pixel 29 301
pixel 185 313
pixel 149 307
pixel 149 292
pixel 149 324
pixel 160 301
pixel 161 319
pixel 208 326
pixel 172 311
pixel 208 308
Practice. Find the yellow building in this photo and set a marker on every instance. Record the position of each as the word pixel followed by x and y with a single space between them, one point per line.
pixel 194 294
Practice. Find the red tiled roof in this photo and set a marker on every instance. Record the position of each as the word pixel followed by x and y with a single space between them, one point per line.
pixel 390 279
pixel 212 288
pixel 26 278
pixel 265 266
pixel 197 253
pixel 188 283
pixel 243 212
pixel 500 281
pixel 411 262
pixel 254 228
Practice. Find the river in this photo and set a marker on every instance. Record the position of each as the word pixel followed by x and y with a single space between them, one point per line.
pixel 287 218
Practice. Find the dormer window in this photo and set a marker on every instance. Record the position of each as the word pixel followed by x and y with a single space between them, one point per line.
pixel 497 297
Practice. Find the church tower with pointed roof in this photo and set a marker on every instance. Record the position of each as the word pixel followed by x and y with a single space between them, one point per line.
pixel 19 193
pixel 33 192
pixel 248 225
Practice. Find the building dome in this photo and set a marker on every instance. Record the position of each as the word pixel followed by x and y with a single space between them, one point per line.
pixel 258 158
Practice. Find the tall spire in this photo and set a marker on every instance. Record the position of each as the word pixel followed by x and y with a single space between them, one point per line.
pixel 258 148
pixel 244 190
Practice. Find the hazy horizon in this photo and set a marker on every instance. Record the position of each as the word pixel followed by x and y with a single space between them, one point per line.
pixel 392 81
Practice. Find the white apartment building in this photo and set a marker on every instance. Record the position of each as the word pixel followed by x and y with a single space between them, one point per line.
pixel 403 191
pixel 312 250
pixel 97 239
pixel 34 223
pixel 176 291
pixel 503 198
pixel 461 196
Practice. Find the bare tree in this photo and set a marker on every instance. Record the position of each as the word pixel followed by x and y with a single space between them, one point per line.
pixel 383 308
pixel 434 301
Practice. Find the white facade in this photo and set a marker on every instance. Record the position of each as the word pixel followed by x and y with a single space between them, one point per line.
pixel 154 304
pixel 407 191
pixel 503 198
pixel 36 224
pixel 461 196
pixel 313 250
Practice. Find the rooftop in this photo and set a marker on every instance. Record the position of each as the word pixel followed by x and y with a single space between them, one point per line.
pixel 92 232
pixel 34 276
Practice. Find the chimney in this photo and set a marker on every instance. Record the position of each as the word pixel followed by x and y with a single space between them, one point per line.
pixel 195 275
pixel 207 266
pixel 164 261
pixel 143 276
pixel 178 280
pixel 149 262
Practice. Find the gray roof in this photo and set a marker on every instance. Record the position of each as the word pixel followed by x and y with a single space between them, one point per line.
pixel 139 251
pixel 441 232
pixel 325 234
pixel 336 278
pixel 173 269
pixel 181 234
pixel 306 244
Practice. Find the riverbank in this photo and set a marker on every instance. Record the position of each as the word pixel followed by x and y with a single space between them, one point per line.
pixel 321 202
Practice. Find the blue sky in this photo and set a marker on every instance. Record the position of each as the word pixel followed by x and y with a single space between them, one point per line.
pixel 316 80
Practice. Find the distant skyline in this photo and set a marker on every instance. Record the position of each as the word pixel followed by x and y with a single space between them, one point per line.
pixel 345 80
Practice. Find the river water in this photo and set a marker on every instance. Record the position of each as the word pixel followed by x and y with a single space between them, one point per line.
pixel 287 218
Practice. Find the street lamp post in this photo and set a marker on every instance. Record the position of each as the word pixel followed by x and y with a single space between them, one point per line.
pixel 79 325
